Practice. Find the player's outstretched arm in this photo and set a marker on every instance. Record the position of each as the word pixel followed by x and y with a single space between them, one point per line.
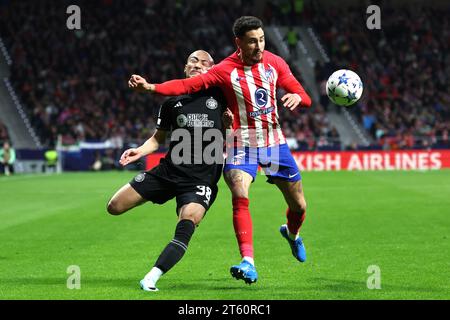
pixel 296 95
pixel 139 84
pixel 149 146
pixel 169 88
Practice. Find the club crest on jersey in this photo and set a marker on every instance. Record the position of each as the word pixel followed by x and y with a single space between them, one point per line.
pixel 181 120
pixel 211 103
pixel 268 74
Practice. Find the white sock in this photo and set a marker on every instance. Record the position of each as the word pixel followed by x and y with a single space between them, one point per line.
pixel 250 260
pixel 153 276
pixel 292 236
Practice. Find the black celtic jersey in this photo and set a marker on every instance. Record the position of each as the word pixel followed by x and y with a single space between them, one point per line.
pixel 196 147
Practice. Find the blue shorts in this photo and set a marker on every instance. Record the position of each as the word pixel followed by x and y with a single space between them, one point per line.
pixel 276 161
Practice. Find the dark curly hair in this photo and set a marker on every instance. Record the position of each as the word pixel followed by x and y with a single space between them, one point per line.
pixel 244 24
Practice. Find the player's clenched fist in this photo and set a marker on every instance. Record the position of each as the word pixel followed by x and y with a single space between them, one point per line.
pixel 139 84
pixel 129 156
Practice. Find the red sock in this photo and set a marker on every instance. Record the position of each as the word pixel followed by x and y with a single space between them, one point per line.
pixel 294 220
pixel 242 223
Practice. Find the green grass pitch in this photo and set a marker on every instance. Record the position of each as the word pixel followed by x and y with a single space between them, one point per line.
pixel 398 221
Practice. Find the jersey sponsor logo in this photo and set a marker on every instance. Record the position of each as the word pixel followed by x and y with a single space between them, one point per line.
pixel 261 97
pixel 195 120
pixel 181 120
pixel 179 104
pixel 211 103
pixel 255 114
pixel 199 120
pixel 140 177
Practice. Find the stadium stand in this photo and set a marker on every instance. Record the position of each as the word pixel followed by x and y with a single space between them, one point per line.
pixel 4 136
pixel 406 103
pixel 74 82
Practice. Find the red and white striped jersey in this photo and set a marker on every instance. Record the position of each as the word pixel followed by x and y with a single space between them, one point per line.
pixel 251 95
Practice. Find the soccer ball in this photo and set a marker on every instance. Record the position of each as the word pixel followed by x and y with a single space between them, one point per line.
pixel 344 87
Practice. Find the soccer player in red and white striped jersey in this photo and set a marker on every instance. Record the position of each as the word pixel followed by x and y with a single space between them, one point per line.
pixel 249 78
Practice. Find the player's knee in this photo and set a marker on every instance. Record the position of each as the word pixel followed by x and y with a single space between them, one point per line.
pixel 193 212
pixel 236 184
pixel 192 218
pixel 195 218
pixel 237 189
pixel 303 206
pixel 299 206
pixel 114 207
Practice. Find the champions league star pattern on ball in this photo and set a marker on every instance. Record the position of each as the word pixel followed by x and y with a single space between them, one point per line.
pixel 344 87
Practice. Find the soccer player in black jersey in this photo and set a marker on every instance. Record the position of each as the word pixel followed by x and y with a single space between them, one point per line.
pixel 190 170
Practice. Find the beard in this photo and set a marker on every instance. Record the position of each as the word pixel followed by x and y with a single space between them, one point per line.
pixel 255 58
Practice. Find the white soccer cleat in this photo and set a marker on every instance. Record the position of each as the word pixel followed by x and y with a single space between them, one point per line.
pixel 147 285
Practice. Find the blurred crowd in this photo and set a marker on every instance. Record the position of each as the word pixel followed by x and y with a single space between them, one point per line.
pixel 74 82
pixel 4 136
pixel 405 68
pixel 310 129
